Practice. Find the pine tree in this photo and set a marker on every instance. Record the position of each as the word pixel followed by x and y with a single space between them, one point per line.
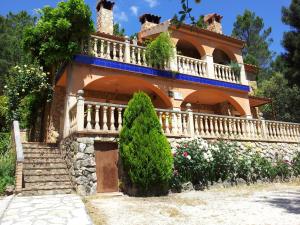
pixel 291 42
pixel 144 149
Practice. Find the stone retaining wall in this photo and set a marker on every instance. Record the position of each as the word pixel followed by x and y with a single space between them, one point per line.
pixel 80 157
pixel 79 153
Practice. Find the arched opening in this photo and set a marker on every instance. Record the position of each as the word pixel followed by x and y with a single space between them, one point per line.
pixel 220 57
pixel 185 48
pixel 213 102
pixel 120 89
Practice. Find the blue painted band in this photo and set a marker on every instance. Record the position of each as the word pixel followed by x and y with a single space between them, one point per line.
pixel 89 60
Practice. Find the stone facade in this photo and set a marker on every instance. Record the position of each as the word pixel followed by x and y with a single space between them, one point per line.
pixel 271 149
pixel 80 157
pixel 79 153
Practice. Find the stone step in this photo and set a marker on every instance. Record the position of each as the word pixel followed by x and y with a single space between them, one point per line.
pixel 46 178
pixel 38 144
pixel 45 166
pixel 51 185
pixel 43 160
pixel 41 155
pixel 30 192
pixel 46 171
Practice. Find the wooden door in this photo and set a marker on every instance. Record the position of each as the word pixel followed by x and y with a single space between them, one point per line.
pixel 107 155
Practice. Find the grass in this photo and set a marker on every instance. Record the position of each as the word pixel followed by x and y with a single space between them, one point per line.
pixel 95 214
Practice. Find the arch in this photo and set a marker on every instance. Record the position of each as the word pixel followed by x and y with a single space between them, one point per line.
pixel 223 55
pixel 123 87
pixel 186 45
pixel 212 97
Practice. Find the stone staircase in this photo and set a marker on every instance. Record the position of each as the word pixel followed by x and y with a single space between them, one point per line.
pixel 45 172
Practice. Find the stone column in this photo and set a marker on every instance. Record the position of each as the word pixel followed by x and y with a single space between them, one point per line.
pixel 173 61
pixel 127 50
pixel 80 111
pixel 210 66
pixel 243 77
pixel 190 123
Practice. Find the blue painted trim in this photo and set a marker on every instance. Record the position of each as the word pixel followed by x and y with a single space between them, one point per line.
pixel 155 72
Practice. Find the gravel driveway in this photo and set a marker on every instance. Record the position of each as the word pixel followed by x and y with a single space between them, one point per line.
pixel 277 204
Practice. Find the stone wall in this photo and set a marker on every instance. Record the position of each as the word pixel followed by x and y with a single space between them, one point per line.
pixel 272 149
pixel 80 157
pixel 79 153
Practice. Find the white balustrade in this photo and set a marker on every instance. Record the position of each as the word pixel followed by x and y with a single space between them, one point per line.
pixel 123 51
pixel 191 66
pixel 107 118
pixel 225 73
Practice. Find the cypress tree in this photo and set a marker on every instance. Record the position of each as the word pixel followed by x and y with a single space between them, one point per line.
pixel 144 149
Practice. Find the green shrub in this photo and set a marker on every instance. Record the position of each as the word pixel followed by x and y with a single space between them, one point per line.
pixel 160 51
pixel 144 150
pixel 296 164
pixel 225 160
pixel 4 143
pixel 7 162
pixel 283 169
pixel 3 113
pixel 192 162
pixel 7 170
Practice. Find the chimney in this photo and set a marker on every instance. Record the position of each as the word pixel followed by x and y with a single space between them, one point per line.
pixel 149 20
pixel 105 16
pixel 213 22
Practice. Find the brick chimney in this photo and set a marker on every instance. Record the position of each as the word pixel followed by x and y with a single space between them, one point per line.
pixel 149 20
pixel 105 16
pixel 213 22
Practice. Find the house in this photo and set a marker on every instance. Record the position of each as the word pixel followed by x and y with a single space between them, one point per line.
pixel 197 94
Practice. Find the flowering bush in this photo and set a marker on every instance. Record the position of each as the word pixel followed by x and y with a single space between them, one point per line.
pixel 296 164
pixel 198 162
pixel 192 162
pixel 23 81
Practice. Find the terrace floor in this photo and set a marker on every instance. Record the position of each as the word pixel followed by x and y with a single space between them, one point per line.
pixel 273 204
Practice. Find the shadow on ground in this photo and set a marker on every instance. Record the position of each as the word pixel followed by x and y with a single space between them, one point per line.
pixel 288 200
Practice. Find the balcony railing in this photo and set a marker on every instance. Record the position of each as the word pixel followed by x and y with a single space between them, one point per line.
pixel 135 54
pixel 106 118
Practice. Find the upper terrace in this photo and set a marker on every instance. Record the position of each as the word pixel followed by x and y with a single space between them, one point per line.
pixel 204 53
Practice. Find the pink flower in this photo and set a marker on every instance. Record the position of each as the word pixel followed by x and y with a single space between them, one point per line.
pixel 185 154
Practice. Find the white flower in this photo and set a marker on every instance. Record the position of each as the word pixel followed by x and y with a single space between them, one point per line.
pixel 5 86
pixel 23 90
pixel 189 157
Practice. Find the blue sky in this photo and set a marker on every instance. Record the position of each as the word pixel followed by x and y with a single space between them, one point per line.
pixel 128 11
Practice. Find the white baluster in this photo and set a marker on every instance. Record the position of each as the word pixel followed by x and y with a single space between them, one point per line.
pixel 174 123
pixel 105 127
pixel 89 117
pixel 101 48
pixel 97 125
pixel 139 56
pixel 114 51
pixel 112 118
pixel 167 125
pixel 196 126
pixel 119 119
pixel 108 50
pixel 96 47
pixel 184 124
pixel 121 59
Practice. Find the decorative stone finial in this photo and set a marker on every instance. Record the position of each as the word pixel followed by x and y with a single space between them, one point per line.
pixel 80 93
pixel 189 106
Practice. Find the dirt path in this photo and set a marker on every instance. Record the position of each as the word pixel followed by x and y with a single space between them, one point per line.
pixel 277 204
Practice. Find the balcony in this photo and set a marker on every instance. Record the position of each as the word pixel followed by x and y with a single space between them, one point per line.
pixel 125 52
pixel 106 118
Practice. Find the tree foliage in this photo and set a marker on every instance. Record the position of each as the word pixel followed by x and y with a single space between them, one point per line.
pixel 185 13
pixel 286 99
pixel 144 150
pixel 250 28
pixel 118 31
pixel 57 35
pixel 160 51
pixel 291 42
pixel 12 28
